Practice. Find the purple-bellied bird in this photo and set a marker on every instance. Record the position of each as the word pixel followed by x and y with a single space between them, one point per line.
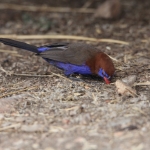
pixel 73 58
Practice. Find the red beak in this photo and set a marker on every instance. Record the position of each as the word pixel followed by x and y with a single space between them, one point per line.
pixel 106 80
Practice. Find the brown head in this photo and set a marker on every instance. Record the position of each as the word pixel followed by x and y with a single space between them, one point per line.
pixel 102 65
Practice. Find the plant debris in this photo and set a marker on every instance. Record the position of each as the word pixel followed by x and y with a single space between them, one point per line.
pixel 125 89
pixel 110 9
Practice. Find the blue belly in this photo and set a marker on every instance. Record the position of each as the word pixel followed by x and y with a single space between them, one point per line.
pixel 71 68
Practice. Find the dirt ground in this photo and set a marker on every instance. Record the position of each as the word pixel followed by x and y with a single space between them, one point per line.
pixel 54 113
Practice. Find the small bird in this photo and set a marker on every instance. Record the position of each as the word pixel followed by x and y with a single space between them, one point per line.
pixel 73 58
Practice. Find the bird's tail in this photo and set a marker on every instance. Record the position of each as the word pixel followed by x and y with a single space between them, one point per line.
pixel 18 44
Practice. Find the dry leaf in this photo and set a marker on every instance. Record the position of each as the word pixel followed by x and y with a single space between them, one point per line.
pixel 130 80
pixel 109 9
pixel 124 89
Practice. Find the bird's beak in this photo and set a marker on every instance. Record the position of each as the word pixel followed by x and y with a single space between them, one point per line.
pixel 106 80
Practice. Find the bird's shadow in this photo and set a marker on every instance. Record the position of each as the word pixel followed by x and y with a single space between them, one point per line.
pixel 85 78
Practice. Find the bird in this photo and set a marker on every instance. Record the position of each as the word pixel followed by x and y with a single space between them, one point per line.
pixel 73 58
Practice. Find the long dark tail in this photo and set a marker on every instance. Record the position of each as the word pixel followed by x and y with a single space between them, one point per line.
pixel 18 44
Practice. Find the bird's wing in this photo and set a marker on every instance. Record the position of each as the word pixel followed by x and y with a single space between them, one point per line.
pixel 55 46
pixel 75 53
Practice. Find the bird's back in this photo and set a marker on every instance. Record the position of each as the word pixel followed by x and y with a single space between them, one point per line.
pixel 75 53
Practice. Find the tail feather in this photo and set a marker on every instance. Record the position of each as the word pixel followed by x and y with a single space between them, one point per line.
pixel 18 44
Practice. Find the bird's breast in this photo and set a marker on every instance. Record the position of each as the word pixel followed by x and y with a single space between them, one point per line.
pixel 71 68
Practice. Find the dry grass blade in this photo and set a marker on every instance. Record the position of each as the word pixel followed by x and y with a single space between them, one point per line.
pixel 145 41
pixel 17 125
pixel 71 108
pixel 139 110
pixel 18 91
pixel 45 8
pixel 53 74
pixel 131 91
pixel 114 59
pixel 143 83
pixel 6 72
pixel 31 75
pixel 63 37
pixel 8 51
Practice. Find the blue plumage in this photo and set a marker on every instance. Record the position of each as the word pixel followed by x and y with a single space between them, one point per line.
pixel 67 67
pixel 70 68
pixel 42 49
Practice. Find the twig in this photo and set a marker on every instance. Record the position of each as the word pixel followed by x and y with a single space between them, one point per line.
pixel 114 59
pixel 17 125
pixel 10 86
pixel 7 72
pixel 71 108
pixel 131 92
pixel 66 37
pixel 139 110
pixel 8 51
pixel 14 92
pixel 53 74
pixel 145 41
pixel 31 75
pixel 45 8
pixel 143 83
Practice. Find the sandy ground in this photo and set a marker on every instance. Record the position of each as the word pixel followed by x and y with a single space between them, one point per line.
pixel 55 113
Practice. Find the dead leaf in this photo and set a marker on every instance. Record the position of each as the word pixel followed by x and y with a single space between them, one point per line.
pixel 124 89
pixel 109 9
pixel 130 80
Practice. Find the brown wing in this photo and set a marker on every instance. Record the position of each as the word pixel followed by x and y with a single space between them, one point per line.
pixel 75 53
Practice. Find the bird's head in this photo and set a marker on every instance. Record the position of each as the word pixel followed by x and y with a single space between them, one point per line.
pixel 104 75
pixel 102 65
pixel 105 67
